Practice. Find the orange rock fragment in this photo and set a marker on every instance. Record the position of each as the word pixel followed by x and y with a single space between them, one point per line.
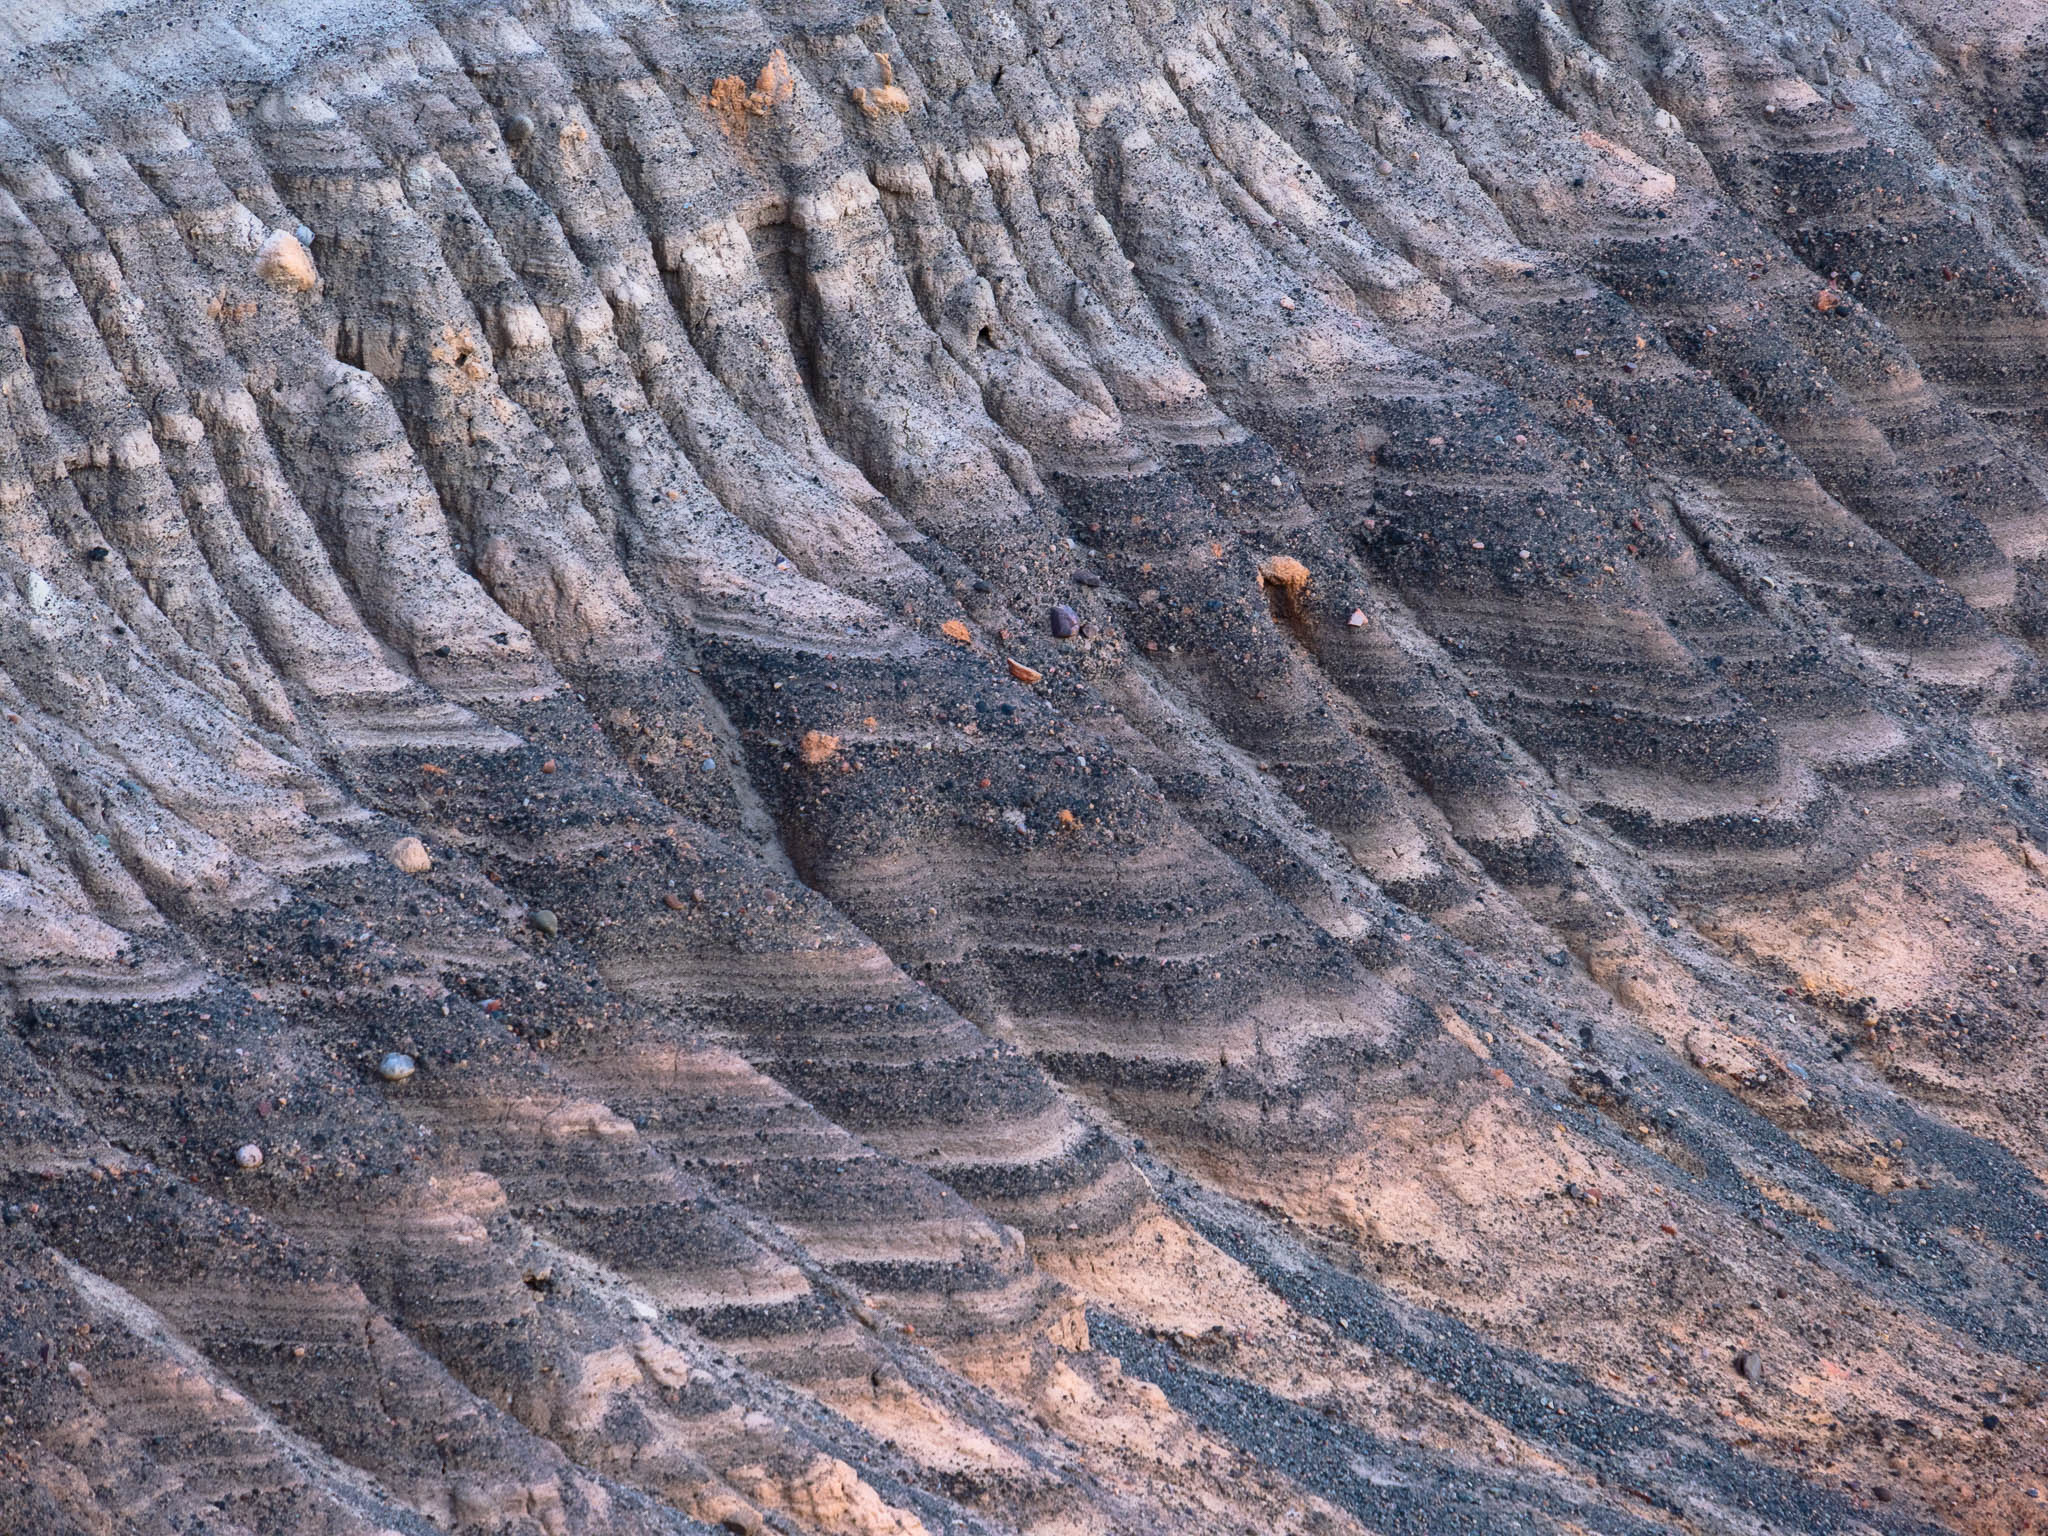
pixel 817 748
pixel 884 98
pixel 1826 300
pixel 1022 673
pixel 732 103
pixel 956 632
pixel 1286 573
pixel 1286 582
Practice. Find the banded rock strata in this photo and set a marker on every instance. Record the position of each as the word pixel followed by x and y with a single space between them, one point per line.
pixel 1484 976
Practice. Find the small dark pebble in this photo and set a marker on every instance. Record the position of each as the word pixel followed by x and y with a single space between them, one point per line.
pixel 1558 957
pixel 1882 1494
pixel 1991 1421
pixel 1751 1364
pixel 1064 622
pixel 1088 578
pixel 97 553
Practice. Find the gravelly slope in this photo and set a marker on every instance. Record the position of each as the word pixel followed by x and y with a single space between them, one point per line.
pixel 1175 768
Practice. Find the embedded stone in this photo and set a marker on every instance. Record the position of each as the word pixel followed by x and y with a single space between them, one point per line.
pixel 282 262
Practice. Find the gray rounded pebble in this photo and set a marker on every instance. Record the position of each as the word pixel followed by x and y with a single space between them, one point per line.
pixel 396 1067
pixel 544 922
pixel 249 1155
pixel 710 765
pixel 305 237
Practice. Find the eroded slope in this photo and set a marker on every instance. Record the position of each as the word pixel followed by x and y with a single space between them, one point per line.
pixel 1023 768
